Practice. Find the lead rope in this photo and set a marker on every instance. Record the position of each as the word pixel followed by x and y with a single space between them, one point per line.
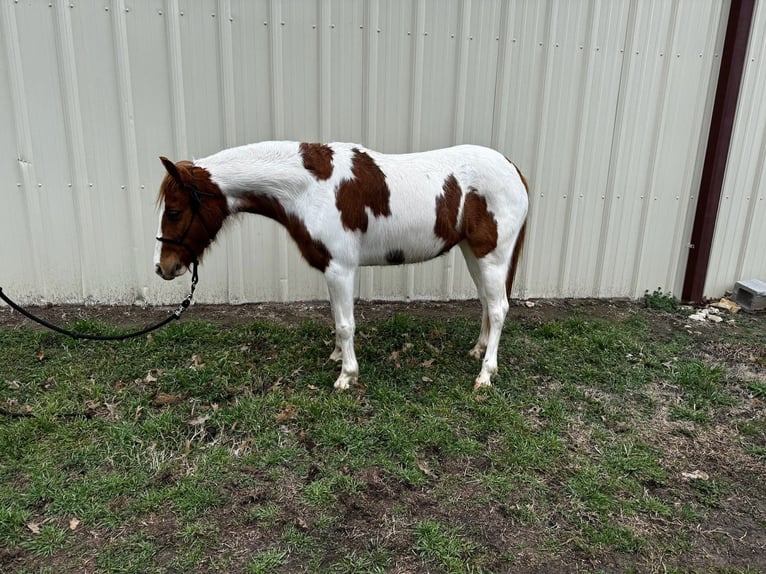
pixel 75 335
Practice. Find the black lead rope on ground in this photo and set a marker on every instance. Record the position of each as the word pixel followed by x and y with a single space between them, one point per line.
pixel 75 335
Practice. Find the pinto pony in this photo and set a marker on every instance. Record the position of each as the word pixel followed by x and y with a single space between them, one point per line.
pixel 347 206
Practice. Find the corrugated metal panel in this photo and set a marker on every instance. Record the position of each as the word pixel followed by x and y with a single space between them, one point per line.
pixel 739 242
pixel 603 104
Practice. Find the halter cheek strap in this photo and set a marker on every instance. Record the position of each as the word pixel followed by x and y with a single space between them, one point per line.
pixel 182 240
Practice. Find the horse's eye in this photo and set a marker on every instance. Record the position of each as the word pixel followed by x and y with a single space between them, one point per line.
pixel 173 215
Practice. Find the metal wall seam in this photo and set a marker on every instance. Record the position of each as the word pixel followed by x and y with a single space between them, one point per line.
pixel 226 66
pixel 463 41
pixel 619 120
pixel 416 109
pixel 324 56
pixel 76 146
pixel 26 163
pixel 536 215
pixel 507 109
pixel 177 99
pixel 578 152
pixel 233 239
pixel 634 152
pixel 656 135
pixel 278 127
pixel 502 108
pixel 129 144
pixel 366 275
pixel 458 136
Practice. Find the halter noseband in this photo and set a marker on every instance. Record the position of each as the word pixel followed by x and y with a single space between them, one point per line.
pixel 196 204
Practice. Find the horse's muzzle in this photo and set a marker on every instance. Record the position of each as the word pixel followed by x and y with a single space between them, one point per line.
pixel 177 271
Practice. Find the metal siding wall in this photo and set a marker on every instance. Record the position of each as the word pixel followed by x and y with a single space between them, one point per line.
pixel 740 236
pixel 602 104
pixel 663 114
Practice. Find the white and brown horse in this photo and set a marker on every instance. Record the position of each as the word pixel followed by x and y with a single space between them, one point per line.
pixel 347 206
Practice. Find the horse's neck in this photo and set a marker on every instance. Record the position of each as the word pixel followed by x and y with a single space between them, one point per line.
pixel 249 174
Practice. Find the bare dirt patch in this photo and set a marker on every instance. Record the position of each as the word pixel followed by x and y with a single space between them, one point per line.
pixel 132 316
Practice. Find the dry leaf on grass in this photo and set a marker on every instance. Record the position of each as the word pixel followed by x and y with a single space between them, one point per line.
pixel 165 399
pixel 425 467
pixel 288 413
pixel 695 475
pixel 198 421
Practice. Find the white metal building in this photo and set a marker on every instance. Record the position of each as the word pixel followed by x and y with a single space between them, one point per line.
pixel 605 105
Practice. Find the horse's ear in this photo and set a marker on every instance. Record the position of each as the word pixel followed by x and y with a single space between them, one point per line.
pixel 171 168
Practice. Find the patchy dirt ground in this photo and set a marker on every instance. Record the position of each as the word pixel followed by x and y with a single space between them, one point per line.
pixel 128 316
pixel 732 534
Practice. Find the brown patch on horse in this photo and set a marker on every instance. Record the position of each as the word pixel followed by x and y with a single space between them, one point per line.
pixel 195 208
pixel 317 158
pixel 367 189
pixel 314 251
pixel 447 208
pixel 479 225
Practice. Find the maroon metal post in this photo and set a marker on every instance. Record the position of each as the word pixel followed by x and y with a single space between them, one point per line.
pixel 717 153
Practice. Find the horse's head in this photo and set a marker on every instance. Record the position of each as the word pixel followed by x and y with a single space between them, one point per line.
pixel 192 211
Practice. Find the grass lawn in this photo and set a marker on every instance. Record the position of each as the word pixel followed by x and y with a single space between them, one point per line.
pixel 617 438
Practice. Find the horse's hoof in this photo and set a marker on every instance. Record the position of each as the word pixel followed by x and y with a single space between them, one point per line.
pixel 344 382
pixel 482 382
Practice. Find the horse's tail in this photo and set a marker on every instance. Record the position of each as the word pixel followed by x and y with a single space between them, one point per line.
pixel 519 247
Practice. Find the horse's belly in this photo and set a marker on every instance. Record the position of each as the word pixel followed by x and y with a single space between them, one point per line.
pixel 396 243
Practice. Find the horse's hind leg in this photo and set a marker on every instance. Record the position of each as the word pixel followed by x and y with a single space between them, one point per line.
pixel 340 283
pixel 493 276
pixel 489 273
pixel 473 268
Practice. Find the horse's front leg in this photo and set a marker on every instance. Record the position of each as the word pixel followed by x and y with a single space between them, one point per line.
pixel 340 284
